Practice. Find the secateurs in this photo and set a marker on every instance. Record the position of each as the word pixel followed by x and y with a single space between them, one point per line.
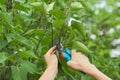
pixel 65 53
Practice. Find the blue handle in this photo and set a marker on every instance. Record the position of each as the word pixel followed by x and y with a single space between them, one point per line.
pixel 67 54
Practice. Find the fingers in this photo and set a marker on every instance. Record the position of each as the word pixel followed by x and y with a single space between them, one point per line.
pixel 72 65
pixel 51 50
pixel 73 51
pixel 69 63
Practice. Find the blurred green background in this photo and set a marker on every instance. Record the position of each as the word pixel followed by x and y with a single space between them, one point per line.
pixel 28 28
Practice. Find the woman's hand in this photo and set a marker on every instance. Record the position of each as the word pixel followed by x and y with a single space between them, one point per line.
pixel 51 58
pixel 80 62
pixel 52 65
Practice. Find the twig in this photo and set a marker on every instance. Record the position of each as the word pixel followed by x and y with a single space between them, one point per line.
pixel 52 35
pixel 9 5
pixel 27 28
pixel 68 9
pixel 40 40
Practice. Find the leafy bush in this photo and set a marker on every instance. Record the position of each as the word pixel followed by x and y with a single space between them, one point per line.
pixel 28 28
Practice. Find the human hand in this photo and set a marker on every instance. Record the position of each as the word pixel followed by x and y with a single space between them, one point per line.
pixel 52 65
pixel 79 61
pixel 50 58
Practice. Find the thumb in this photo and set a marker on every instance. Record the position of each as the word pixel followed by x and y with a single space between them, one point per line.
pixel 73 51
pixel 73 65
pixel 70 63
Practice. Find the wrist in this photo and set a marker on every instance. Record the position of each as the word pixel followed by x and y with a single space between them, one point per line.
pixel 96 74
pixel 89 69
pixel 53 69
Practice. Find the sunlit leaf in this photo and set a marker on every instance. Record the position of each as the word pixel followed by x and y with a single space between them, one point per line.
pixel 76 6
pixel 40 6
pixel 50 7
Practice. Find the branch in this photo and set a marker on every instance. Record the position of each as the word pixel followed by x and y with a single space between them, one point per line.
pixel 27 27
pixel 52 35
pixel 9 5
pixel 41 39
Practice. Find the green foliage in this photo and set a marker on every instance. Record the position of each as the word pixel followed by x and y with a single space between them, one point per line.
pixel 29 27
pixel 76 6
pixel 19 73
pixel 81 47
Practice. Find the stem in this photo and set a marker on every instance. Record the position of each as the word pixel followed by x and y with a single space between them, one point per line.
pixel 60 32
pixel 40 40
pixel 9 5
pixel 52 36
pixel 27 28
pixel 40 20
pixel 68 8
pixel 28 76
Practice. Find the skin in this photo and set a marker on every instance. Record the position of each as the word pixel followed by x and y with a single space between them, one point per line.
pixel 81 62
pixel 78 62
pixel 52 65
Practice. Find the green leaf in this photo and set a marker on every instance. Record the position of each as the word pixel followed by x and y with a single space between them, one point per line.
pixel 24 41
pixel 57 13
pixel 27 54
pixel 3 43
pixel 19 73
pixel 3 57
pixel 40 6
pixel 20 1
pixel 78 27
pixel 80 47
pixel 2 6
pixel 50 6
pixel 1 28
pixel 20 7
pixel 6 17
pixel 2 1
pixel 76 6
pixel 57 23
pixel 35 32
pixel 30 67
pixel 10 37
pixel 37 4
pixel 20 39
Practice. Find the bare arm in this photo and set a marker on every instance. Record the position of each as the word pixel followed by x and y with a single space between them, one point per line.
pixel 49 74
pixel 81 62
pixel 52 65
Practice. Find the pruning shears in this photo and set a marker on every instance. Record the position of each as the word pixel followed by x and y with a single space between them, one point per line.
pixel 65 53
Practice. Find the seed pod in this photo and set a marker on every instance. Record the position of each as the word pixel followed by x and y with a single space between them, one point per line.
pixel 81 47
